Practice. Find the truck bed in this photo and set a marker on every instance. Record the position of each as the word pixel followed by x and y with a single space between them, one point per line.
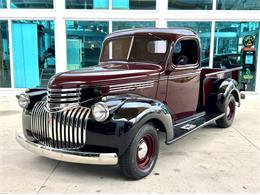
pixel 209 76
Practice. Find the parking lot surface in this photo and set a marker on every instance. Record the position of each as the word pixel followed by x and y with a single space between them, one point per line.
pixel 210 160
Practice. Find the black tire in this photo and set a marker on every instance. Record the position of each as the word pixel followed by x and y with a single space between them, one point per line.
pixel 133 163
pixel 230 111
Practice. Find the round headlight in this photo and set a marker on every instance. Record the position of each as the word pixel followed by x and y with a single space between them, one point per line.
pixel 24 101
pixel 100 111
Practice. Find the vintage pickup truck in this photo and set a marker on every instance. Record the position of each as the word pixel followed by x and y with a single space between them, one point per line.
pixel 147 80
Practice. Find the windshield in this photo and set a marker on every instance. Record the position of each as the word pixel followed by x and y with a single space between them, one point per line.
pixel 135 49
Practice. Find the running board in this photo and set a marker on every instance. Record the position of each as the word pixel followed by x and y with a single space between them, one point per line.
pixel 184 128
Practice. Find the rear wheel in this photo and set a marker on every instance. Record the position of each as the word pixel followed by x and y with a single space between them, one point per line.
pixel 230 111
pixel 139 159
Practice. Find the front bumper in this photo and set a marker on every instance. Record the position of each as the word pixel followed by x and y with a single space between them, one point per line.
pixel 66 155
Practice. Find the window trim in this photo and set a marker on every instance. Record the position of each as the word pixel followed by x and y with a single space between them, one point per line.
pixel 188 66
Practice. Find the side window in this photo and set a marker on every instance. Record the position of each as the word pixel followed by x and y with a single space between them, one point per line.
pixel 185 52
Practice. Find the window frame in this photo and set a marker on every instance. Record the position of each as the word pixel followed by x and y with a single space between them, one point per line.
pixel 188 66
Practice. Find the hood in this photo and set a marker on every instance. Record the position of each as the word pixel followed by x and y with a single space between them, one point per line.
pixel 101 75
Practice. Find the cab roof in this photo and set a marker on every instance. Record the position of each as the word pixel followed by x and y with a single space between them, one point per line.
pixel 170 34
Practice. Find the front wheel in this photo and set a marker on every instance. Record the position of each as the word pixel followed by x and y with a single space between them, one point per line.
pixel 139 159
pixel 230 111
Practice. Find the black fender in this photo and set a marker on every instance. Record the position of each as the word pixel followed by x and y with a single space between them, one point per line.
pixel 227 87
pixel 128 115
pixel 35 95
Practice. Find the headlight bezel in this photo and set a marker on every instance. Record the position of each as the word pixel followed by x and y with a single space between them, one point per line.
pixel 24 100
pixel 100 111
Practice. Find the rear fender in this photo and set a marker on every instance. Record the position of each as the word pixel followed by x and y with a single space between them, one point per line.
pixel 226 88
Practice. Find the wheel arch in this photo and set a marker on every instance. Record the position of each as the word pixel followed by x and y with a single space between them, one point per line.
pixel 152 111
pixel 226 88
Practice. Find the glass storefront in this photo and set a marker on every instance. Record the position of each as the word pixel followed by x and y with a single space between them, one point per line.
pixel 229 48
pixel 120 25
pixel 32 4
pixel 2 4
pixel 190 4
pixel 33 52
pixel 204 31
pixel 84 42
pixel 87 4
pixel 238 5
pixel 134 4
pixel 5 80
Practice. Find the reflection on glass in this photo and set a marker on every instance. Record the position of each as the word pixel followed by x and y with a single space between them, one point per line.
pixel 34 52
pixel 2 3
pixel 5 80
pixel 87 4
pixel 84 42
pixel 229 45
pixel 32 4
pixel 142 49
pixel 120 25
pixel 134 4
pixel 204 31
pixel 238 4
pixel 190 4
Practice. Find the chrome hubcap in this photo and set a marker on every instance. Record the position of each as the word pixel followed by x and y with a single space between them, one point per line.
pixel 228 111
pixel 142 150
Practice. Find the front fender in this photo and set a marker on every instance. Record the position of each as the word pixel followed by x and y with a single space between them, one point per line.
pixel 127 116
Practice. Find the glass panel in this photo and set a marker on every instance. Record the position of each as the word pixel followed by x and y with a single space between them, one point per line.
pixel 190 4
pixel 34 53
pixel 122 49
pixel 2 3
pixel 238 4
pixel 32 4
pixel 134 4
pixel 120 25
pixel 84 42
pixel 117 49
pixel 5 79
pixel 87 4
pixel 182 55
pixel 204 31
pixel 229 49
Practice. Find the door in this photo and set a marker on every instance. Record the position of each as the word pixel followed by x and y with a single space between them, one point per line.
pixel 183 82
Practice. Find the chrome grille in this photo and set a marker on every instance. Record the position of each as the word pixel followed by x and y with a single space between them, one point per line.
pixel 61 99
pixel 66 129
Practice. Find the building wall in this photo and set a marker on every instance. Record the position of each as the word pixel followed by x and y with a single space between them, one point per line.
pixel 68 34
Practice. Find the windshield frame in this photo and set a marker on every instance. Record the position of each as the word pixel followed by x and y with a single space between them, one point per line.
pixel 133 37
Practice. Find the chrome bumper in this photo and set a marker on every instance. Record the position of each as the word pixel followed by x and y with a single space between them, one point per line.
pixel 66 155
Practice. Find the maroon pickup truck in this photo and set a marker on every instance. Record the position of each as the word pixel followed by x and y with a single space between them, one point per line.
pixel 147 80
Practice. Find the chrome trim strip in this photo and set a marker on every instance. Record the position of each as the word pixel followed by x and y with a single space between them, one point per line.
pixel 58 95
pixel 223 71
pixel 129 89
pixel 58 100
pixel 66 155
pixel 64 90
pixel 129 84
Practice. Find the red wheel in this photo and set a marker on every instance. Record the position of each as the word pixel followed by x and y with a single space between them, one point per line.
pixel 145 151
pixel 230 111
pixel 139 159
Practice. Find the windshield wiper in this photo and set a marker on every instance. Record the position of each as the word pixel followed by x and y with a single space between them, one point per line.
pixel 151 34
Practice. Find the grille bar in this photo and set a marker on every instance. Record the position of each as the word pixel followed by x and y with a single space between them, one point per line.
pixel 66 129
pixel 60 99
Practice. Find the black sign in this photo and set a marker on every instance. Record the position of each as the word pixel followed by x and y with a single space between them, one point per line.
pixel 248 41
